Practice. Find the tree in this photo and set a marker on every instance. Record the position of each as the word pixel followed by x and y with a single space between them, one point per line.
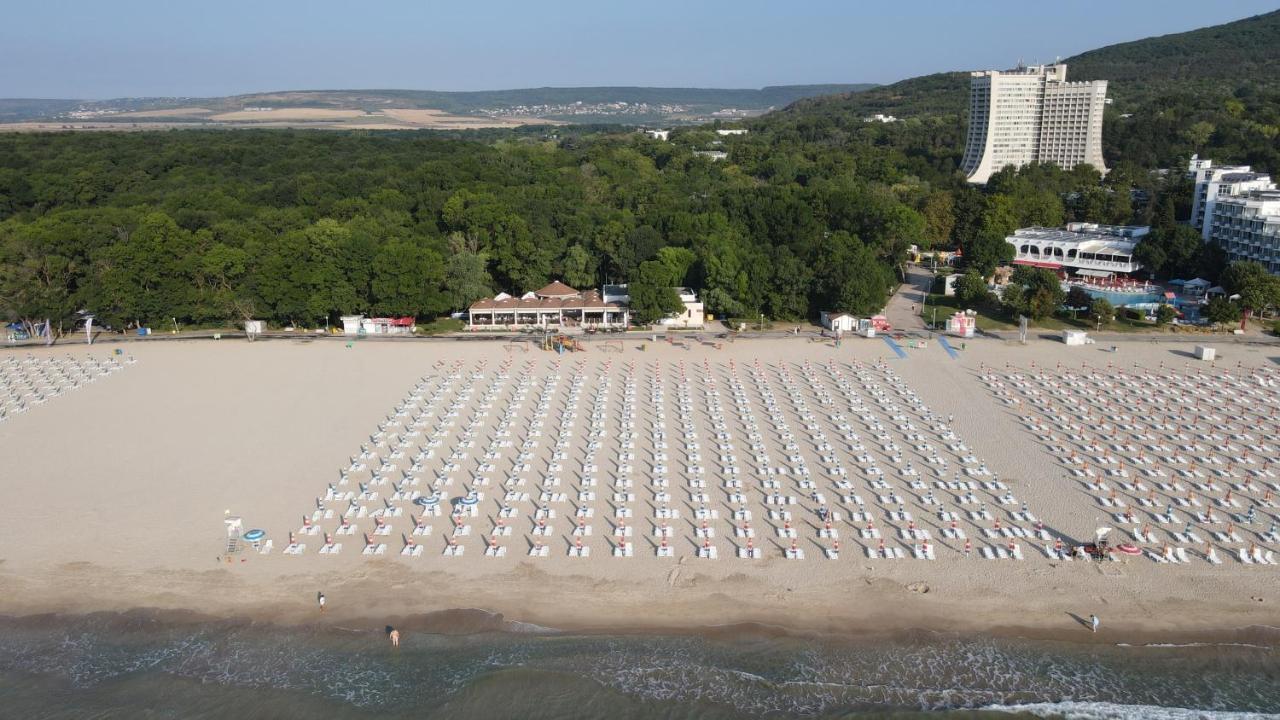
pixel 971 289
pixel 850 277
pixel 1102 311
pixel 1240 274
pixel 939 219
pixel 406 280
pixel 1260 292
pixel 577 268
pixel 1169 252
pixel 1042 291
pixel 1221 311
pixel 1078 297
pixel 677 261
pixel 985 253
pixel 652 297
pixel 465 279
pixel 1165 314
pixel 999 218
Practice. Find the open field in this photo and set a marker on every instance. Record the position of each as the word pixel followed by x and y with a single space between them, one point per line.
pixel 288 115
pixel 194 112
pixel 118 488
pixel 443 120
pixel 321 118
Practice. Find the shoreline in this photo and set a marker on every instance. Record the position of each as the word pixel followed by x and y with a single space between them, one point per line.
pixel 477 621
pixel 1172 623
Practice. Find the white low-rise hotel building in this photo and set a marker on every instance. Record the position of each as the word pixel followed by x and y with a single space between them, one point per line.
pixel 1084 249
pixel 1247 226
pixel 1238 210
pixel 1213 181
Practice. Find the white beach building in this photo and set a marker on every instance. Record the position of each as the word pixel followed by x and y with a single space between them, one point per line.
pixel 1085 249
pixel 692 316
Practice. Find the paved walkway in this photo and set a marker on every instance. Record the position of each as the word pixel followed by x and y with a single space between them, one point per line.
pixel 899 310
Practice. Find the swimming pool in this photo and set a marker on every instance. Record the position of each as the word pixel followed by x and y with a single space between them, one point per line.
pixel 1120 299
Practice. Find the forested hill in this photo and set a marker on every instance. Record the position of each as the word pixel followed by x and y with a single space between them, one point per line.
pixel 1244 51
pixel 1215 91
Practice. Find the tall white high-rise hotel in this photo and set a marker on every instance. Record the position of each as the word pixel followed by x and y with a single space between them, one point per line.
pixel 1032 114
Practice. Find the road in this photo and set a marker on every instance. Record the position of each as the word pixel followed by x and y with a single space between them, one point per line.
pixel 900 311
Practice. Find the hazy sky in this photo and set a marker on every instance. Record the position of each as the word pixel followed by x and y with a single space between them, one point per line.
pixel 117 48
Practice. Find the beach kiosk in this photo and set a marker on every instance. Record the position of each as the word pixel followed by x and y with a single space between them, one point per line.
pixel 351 324
pixel 838 321
pixel 962 324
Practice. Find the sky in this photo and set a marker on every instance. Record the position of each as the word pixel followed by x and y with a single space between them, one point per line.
pixel 133 48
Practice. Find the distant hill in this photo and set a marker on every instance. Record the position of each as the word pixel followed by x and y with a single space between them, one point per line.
pixel 1213 91
pixel 1217 58
pixel 1246 50
pixel 627 105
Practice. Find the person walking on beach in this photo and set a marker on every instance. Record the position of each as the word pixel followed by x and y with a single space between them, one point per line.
pixel 1093 622
pixel 320 600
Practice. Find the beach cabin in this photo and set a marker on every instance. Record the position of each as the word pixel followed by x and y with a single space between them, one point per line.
pixel 388 326
pixel 962 324
pixel 361 325
pixel 838 321
pixel 691 317
pixel 351 324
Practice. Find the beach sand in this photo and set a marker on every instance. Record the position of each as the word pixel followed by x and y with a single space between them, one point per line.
pixel 116 494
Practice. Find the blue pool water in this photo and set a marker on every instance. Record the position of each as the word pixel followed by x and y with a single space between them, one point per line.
pixel 1120 299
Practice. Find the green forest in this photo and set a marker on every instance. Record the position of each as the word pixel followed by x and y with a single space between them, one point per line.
pixel 812 210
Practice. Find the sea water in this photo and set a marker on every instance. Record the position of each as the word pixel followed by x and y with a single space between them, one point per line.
pixel 136 665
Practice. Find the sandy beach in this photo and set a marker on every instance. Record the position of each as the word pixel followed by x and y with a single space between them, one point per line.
pixel 117 493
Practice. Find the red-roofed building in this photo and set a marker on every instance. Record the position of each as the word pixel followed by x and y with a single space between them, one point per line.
pixel 556 305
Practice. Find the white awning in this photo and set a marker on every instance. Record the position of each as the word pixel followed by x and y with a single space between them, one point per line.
pixel 1094 273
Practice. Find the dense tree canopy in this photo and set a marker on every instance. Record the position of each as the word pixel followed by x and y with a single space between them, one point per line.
pixel 215 227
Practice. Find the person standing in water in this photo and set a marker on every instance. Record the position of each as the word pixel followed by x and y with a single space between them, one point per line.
pixel 394 636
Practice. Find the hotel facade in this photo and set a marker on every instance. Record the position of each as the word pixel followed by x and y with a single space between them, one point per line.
pixel 1238 210
pixel 1032 114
